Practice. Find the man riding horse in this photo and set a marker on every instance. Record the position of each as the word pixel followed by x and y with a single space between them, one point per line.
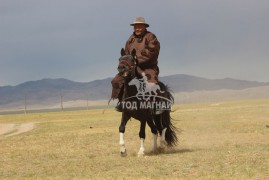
pixel 147 49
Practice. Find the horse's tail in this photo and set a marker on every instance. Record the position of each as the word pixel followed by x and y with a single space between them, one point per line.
pixel 166 120
pixel 170 133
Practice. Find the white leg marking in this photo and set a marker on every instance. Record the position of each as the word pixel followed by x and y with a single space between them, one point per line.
pixel 141 151
pixel 154 142
pixel 121 139
pixel 163 133
pixel 123 150
pixel 162 140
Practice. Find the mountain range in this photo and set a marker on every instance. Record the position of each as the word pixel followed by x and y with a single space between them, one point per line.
pixel 48 92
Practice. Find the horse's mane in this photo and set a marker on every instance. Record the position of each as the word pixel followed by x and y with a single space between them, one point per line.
pixel 167 90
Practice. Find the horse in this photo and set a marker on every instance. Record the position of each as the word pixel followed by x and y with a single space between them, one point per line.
pixel 147 110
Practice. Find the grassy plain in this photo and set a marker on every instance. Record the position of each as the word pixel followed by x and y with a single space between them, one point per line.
pixel 228 140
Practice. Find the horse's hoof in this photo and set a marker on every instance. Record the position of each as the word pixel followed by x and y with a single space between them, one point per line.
pixel 140 153
pixel 123 153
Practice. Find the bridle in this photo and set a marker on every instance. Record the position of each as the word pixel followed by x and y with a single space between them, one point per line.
pixel 127 66
pixel 125 62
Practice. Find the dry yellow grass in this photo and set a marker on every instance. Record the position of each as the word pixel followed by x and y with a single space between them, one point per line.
pixel 218 141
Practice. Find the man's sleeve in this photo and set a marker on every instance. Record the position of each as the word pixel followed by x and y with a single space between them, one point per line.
pixel 152 48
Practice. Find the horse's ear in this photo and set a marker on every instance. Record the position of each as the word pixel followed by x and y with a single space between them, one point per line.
pixel 122 52
pixel 133 53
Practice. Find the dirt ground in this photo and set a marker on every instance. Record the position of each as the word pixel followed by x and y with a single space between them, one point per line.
pixel 15 129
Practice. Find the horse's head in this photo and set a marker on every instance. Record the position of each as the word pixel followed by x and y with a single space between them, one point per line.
pixel 127 64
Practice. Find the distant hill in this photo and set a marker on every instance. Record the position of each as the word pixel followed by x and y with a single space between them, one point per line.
pixel 187 83
pixel 47 92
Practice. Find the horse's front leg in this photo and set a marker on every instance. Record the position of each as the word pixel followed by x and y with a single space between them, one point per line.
pixel 124 120
pixel 142 135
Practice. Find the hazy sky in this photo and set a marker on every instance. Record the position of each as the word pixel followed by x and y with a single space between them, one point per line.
pixel 81 40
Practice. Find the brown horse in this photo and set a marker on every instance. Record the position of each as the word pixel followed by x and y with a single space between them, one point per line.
pixel 139 103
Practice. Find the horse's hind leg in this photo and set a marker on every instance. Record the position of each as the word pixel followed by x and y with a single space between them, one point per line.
pixel 142 135
pixel 123 123
pixel 157 121
pixel 163 143
pixel 161 129
pixel 154 132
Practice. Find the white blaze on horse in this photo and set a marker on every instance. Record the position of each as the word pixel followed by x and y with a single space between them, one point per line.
pixel 158 123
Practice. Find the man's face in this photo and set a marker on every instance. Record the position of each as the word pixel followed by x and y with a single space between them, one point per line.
pixel 139 29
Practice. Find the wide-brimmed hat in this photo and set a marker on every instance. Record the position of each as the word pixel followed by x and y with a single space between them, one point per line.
pixel 140 20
